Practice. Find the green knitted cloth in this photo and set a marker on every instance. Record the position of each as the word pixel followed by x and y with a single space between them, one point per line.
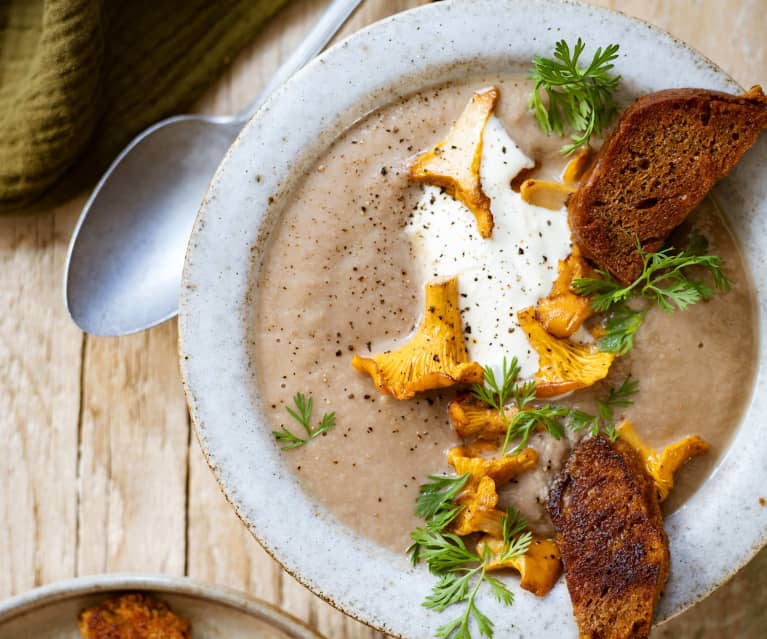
pixel 84 76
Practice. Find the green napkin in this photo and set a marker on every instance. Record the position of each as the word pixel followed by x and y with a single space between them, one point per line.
pixel 84 76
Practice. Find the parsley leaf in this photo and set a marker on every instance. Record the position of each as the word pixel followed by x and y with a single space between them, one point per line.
pixel 302 413
pixel 579 99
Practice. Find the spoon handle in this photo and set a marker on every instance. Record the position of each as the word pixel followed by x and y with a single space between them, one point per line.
pixel 314 42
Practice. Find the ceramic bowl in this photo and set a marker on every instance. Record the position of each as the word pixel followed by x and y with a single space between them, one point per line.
pixel 718 530
pixel 214 612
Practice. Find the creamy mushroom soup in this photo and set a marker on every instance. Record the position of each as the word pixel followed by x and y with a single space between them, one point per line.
pixel 340 277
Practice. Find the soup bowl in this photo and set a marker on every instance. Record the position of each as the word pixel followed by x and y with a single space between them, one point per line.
pixel 712 535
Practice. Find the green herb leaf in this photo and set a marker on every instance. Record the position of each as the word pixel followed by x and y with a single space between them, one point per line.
pixel 438 494
pixel 442 551
pixel 664 279
pixel 461 572
pixel 579 99
pixel 621 326
pixel 459 628
pixel 450 589
pixel 500 590
pixel 525 421
pixel 611 432
pixel 328 422
pixel 302 413
pixel 523 394
pixel 553 419
pixel 455 629
pixel 516 541
pixel 490 392
pixel 288 439
pixel 622 395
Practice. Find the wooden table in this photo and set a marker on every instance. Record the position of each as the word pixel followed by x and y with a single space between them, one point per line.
pixel 100 469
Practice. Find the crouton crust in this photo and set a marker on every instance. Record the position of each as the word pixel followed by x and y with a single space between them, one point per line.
pixel 667 151
pixel 610 532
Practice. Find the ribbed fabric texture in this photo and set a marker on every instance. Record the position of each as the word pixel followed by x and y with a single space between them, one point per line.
pixel 85 76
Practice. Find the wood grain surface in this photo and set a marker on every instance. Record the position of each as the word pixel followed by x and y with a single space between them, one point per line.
pixel 100 470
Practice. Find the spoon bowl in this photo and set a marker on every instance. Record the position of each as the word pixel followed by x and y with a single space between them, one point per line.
pixel 125 263
pixel 124 266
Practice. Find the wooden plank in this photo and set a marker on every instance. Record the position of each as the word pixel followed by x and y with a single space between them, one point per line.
pixel 39 402
pixel 134 448
pixel 729 33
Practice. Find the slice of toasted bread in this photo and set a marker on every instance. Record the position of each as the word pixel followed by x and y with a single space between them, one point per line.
pixel 667 151
pixel 610 533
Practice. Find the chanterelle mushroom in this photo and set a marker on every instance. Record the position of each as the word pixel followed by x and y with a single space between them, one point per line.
pixel 539 568
pixel 545 193
pixel 454 162
pixel 473 419
pixel 562 312
pixel 480 497
pixel 435 357
pixel 563 366
pixel 662 465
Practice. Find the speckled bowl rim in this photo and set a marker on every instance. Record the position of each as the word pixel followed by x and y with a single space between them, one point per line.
pixel 44 596
pixel 714 534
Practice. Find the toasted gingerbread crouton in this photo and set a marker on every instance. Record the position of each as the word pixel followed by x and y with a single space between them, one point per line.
pixel 668 150
pixel 132 616
pixel 610 532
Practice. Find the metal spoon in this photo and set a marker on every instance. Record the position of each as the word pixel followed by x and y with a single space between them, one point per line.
pixel 123 271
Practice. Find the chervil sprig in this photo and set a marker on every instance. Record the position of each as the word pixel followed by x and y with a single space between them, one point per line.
pixel 493 394
pixel 665 280
pixel 553 419
pixel 579 99
pixel 303 414
pixel 516 537
pixel 622 395
pixel 522 425
pixel 603 421
pixel 435 502
pixel 524 421
pixel 618 398
pixel 461 572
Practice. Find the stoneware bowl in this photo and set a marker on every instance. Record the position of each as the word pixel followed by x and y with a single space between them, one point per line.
pixel 716 532
pixel 214 612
